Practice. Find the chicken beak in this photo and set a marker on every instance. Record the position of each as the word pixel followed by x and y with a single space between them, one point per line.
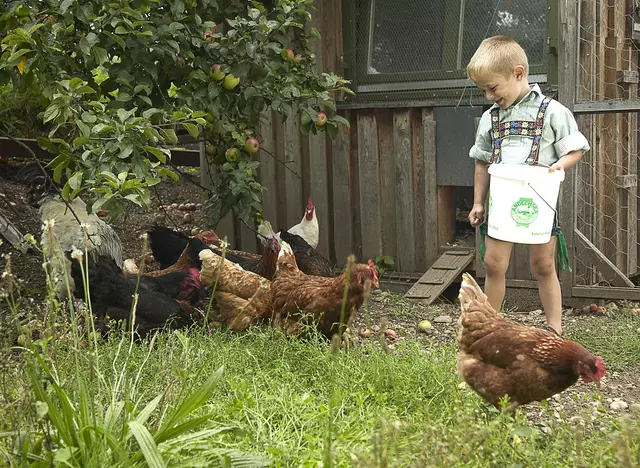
pixel 598 384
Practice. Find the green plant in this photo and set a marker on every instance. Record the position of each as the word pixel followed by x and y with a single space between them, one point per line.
pixel 116 79
pixel 383 263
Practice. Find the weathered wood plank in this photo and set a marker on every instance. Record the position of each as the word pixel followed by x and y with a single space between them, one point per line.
pixel 567 60
pixel 268 170
pixel 404 191
pixel 419 189
pixel 342 208
pixel 368 181
pixel 432 240
pixel 318 176
pixel 387 168
pixel 293 176
pixel 442 273
pixel 601 292
pixel 281 170
pixel 606 266
pixel 446 213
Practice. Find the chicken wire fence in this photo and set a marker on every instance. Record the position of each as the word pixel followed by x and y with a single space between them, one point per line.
pixel 414 44
pixel 606 208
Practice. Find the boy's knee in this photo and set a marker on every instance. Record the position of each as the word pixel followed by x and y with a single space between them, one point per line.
pixel 543 266
pixel 495 265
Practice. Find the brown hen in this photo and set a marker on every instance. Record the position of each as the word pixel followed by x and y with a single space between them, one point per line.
pixel 294 293
pixel 500 357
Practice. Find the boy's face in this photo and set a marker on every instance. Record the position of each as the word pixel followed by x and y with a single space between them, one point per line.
pixel 504 90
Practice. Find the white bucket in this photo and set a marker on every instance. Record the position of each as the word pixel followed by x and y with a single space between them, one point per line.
pixel 517 211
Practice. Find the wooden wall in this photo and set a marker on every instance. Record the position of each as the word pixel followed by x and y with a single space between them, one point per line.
pixel 607 208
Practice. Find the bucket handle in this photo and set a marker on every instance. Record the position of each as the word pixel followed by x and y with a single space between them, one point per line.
pixel 542 198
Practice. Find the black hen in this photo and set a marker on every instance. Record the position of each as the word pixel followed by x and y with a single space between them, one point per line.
pixel 308 259
pixel 166 245
pixel 111 295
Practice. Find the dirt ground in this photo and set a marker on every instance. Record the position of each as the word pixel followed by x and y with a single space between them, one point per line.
pixel 385 310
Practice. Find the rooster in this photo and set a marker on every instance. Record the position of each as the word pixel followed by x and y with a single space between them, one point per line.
pixel 307 228
pixel 67 231
pixel 294 292
pixel 500 357
pixel 111 294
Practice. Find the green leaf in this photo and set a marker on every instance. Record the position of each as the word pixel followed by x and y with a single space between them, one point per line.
pixel 121 30
pixel 80 141
pixel 87 43
pixel 192 129
pixel 65 5
pixel 75 180
pixel 213 90
pixel 158 153
pixel 51 113
pixel 126 151
pixel 149 449
pixel 169 135
pixel 84 128
pixel 88 117
pixel 194 401
pixel 17 55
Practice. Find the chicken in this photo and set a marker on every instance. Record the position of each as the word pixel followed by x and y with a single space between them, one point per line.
pixel 67 232
pixel 241 296
pixel 180 285
pixel 294 293
pixel 308 259
pixel 111 295
pixel 500 357
pixel 307 228
pixel 167 245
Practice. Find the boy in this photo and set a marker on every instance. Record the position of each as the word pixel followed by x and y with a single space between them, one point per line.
pixel 539 130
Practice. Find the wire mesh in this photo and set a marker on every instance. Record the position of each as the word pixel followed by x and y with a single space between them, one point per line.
pixel 427 45
pixel 606 177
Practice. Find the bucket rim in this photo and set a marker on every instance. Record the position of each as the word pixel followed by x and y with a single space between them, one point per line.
pixel 525 172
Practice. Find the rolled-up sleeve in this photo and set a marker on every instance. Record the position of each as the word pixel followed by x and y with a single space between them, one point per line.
pixel 483 148
pixel 568 137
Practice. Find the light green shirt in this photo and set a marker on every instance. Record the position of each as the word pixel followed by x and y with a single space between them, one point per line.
pixel 560 133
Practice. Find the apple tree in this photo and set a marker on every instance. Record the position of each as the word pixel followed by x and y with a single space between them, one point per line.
pixel 108 82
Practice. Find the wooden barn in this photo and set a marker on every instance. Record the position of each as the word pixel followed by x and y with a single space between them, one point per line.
pixel 399 182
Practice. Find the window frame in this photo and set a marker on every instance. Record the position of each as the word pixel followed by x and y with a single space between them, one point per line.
pixel 357 18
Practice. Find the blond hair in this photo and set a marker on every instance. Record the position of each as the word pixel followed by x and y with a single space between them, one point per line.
pixel 497 55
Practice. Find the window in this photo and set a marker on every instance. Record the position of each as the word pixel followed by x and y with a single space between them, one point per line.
pixel 404 45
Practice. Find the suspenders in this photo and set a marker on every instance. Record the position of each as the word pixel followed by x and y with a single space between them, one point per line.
pixel 526 128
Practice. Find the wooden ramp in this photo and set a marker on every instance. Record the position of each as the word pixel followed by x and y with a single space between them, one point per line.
pixel 441 274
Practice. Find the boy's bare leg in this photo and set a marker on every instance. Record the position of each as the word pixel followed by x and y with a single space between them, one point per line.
pixel 496 262
pixel 543 267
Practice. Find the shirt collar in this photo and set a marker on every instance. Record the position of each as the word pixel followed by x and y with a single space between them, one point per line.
pixel 534 90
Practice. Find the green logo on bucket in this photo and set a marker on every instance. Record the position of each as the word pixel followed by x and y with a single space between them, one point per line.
pixel 490 202
pixel 524 212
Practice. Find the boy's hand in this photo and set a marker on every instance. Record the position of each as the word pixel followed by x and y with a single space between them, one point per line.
pixel 476 215
pixel 557 166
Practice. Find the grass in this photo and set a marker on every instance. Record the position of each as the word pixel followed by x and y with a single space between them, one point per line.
pixel 194 398
pixel 298 404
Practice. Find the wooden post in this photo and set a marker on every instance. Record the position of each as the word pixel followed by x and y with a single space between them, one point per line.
pixel 567 60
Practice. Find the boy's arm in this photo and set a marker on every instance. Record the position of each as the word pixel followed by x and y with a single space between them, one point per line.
pixel 480 183
pixel 569 142
pixel 480 189
pixel 567 161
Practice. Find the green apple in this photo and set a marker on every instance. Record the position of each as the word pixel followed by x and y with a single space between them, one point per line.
pixel 230 82
pixel 288 54
pixel 216 73
pixel 297 58
pixel 251 145
pixel 232 155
